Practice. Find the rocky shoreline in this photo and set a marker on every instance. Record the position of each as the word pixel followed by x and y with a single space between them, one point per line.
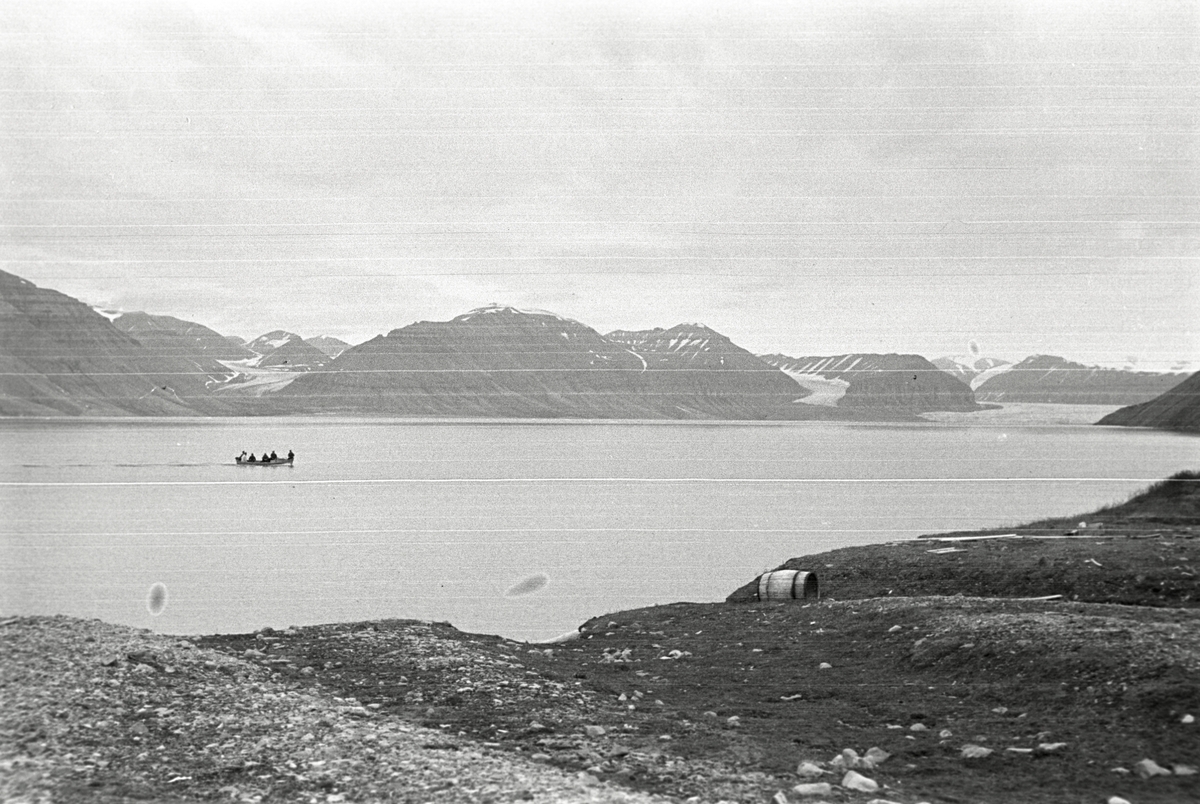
pixel 880 694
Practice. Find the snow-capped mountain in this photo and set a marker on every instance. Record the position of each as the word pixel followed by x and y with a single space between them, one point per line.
pixel 695 369
pixel 1047 378
pixel 908 382
pixel 286 351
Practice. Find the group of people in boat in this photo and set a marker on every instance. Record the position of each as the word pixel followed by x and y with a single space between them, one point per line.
pixel 265 457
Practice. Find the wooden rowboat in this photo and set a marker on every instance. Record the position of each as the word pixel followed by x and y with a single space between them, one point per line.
pixel 276 462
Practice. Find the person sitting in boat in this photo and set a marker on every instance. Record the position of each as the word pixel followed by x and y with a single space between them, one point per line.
pixel 266 458
pixel 291 455
pixel 251 459
pixel 242 457
pixel 274 457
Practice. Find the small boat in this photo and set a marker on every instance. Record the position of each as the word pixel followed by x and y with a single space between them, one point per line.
pixel 267 462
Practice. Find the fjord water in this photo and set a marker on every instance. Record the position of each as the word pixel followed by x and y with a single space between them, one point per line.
pixel 520 529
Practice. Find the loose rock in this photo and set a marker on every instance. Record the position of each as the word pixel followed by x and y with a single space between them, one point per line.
pixel 809 769
pixel 813 789
pixel 856 781
pixel 1148 768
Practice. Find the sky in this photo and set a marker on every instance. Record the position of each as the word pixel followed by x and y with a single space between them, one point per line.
pixel 1008 178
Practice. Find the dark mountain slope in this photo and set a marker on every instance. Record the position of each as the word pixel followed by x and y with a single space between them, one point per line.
pixel 328 344
pixel 59 356
pixel 694 370
pixel 169 336
pixel 1177 409
pixel 494 361
pixel 1046 378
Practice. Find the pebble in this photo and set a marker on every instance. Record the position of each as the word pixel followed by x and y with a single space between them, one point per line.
pixel 1183 770
pixel 825 666
pixel 1117 800
pixel 1188 719
pixel 856 781
pixel 972 751
pixel 594 731
pixel 918 727
pixel 780 798
pixel 876 755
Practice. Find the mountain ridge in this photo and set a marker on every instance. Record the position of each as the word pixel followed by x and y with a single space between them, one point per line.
pixel 1052 379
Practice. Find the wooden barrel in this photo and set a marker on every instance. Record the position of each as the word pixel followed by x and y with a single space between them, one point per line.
pixel 788 585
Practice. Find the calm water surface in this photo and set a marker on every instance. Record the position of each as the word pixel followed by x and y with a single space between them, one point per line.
pixel 521 529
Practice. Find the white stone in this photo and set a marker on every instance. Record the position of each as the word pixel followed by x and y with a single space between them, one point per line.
pixel 1117 800
pixel 1183 770
pixel 856 781
pixel 918 727
pixel 825 666
pixel 808 769
pixel 594 731
pixel 779 798
pixel 1050 748
pixel 1148 768
pixel 971 751
pixel 1188 719
pixel 877 755
pixel 813 789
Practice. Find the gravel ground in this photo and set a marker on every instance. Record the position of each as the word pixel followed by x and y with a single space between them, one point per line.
pixel 95 712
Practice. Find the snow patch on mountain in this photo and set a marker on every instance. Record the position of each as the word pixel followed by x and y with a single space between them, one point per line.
pixel 982 377
pixel 825 392
pixel 111 315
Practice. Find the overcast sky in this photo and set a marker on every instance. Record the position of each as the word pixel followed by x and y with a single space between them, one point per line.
pixel 806 177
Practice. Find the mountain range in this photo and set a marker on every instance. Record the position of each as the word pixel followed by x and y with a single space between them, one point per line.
pixel 499 361
pixel 61 357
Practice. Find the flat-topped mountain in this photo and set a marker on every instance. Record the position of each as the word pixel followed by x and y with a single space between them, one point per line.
pixel 493 361
pixel 59 356
pixel 907 382
pixel 1176 409
pixel 1046 378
